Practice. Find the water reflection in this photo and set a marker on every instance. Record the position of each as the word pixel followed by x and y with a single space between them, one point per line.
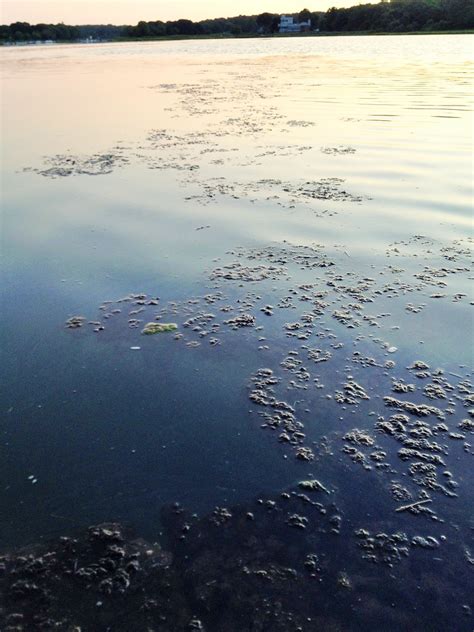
pixel 144 168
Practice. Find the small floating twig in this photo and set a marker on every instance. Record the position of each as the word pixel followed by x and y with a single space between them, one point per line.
pixel 413 505
pixel 53 515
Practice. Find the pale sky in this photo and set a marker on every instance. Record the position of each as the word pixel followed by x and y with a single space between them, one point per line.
pixel 131 11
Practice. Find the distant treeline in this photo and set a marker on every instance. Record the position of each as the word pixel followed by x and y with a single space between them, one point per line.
pixel 397 16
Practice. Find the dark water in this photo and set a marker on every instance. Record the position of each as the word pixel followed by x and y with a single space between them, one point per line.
pixel 146 169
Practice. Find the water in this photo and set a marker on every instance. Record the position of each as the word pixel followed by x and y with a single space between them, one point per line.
pixel 242 140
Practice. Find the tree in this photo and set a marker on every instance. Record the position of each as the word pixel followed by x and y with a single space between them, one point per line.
pixel 459 13
pixel 142 29
pixel 304 15
pixel 393 16
pixel 265 21
pixel 157 29
pixel 188 27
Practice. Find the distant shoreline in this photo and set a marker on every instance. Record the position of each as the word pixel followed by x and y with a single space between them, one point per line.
pixel 290 35
pixel 214 36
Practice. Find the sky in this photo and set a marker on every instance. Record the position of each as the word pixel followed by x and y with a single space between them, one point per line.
pixel 132 11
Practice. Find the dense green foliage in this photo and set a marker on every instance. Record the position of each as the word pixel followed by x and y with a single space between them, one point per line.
pixel 23 31
pixel 401 16
pixel 397 16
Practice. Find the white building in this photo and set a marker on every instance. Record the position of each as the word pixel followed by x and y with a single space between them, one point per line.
pixel 288 25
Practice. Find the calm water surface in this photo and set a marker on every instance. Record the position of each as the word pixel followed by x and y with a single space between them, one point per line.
pixel 362 145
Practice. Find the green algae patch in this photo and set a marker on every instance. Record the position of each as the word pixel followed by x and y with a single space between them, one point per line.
pixel 158 328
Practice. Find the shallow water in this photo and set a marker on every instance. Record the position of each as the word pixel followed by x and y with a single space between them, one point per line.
pixel 142 168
